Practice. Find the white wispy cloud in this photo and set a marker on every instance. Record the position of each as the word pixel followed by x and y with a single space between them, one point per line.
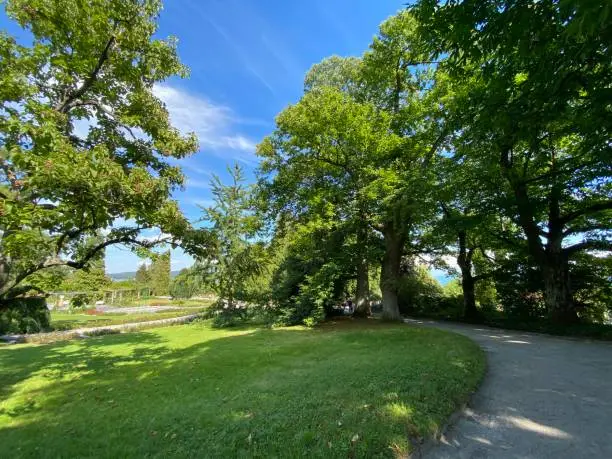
pixel 202 202
pixel 214 125
pixel 249 65
pixel 200 184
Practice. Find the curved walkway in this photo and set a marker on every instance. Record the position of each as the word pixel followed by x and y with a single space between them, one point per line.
pixel 542 397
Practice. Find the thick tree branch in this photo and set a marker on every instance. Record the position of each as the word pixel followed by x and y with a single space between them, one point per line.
pixel 596 207
pixel 331 162
pixel 585 228
pixel 67 102
pixel 587 245
pixel 127 238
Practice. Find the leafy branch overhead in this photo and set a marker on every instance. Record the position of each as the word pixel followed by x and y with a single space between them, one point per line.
pixel 84 140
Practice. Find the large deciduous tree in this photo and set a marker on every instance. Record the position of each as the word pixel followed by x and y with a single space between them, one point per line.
pixel 537 114
pixel 400 81
pixel 361 141
pixel 323 156
pixel 84 141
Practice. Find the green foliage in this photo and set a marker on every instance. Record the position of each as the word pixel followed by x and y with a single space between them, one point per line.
pixel 352 151
pixel 159 274
pixel 531 121
pixel 189 282
pixel 486 295
pixel 452 289
pixel 418 290
pixel 232 256
pixel 143 275
pixel 124 284
pixel 51 279
pixel 24 315
pixel 84 140
pixel 80 300
pixel 309 274
pixel 92 279
pixel 519 286
pixel 592 286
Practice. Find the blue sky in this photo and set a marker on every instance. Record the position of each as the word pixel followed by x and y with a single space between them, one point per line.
pixel 247 60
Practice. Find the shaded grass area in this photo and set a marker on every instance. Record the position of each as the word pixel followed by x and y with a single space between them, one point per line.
pixel 343 390
pixel 67 321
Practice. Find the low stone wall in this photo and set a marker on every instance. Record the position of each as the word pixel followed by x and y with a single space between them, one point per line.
pixel 94 331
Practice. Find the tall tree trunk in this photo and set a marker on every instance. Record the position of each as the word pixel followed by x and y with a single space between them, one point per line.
pixel 464 260
pixel 550 258
pixel 362 306
pixel 362 301
pixel 390 273
pixel 557 289
pixel 557 295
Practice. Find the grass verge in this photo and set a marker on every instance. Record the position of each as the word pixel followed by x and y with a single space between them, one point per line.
pixel 346 390
pixel 67 321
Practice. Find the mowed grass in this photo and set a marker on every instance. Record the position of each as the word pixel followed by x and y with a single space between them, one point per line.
pixel 354 389
pixel 67 321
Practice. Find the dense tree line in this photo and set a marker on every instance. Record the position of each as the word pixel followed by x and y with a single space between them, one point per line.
pixel 479 130
pixel 471 132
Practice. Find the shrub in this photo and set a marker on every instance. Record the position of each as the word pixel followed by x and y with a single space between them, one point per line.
pixel 418 292
pixel 80 300
pixel 224 315
pixel 24 315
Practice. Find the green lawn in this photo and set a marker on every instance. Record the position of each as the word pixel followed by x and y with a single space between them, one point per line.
pixel 67 321
pixel 346 390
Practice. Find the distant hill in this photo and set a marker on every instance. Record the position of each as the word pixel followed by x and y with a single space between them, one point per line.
pixel 127 275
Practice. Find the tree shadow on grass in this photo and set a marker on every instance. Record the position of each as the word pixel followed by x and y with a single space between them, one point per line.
pixel 20 363
pixel 258 393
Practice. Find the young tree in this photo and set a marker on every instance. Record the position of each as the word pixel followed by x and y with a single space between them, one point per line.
pixel 83 138
pixel 230 261
pixel 159 274
pixel 188 282
pixel 88 280
pixel 143 275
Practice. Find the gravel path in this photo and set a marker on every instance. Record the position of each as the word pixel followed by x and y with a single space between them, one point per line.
pixel 542 397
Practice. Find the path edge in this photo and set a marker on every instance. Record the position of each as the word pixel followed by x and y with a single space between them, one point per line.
pixel 424 445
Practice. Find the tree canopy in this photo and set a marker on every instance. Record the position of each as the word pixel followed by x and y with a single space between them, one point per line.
pixel 469 136
pixel 84 141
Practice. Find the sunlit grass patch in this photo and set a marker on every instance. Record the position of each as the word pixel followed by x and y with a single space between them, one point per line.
pixel 344 390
